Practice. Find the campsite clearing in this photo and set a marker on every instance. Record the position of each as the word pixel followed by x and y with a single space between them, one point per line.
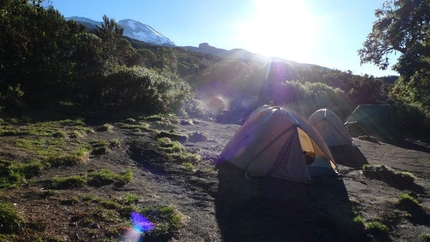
pixel 352 207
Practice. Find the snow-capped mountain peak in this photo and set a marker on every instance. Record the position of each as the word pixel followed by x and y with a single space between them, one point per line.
pixel 133 29
pixel 143 32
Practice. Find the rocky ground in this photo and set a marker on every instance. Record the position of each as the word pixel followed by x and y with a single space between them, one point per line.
pixel 219 204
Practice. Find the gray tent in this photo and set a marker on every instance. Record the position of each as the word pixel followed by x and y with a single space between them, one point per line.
pixel 373 119
pixel 278 143
pixel 330 127
pixel 372 114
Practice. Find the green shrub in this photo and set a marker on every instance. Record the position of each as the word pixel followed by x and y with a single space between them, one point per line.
pixel 305 98
pixel 173 135
pixel 10 220
pixel 176 152
pixel 49 193
pixel 101 177
pixel 167 218
pixel 99 147
pixel 14 173
pixel 105 127
pixel 68 182
pixel 376 227
pixel 188 166
pixel 13 97
pixel 137 127
pixel 88 197
pixel 104 177
pixel 68 160
pixel 110 204
pixel 424 237
pixel 114 143
pixel 59 134
pixel 416 213
pixel 413 117
pixel 130 120
pixel 8 131
pixel 170 146
pixel 155 117
pixel 358 219
pixel 408 200
pixel 124 178
pixel 390 176
pixel 142 89
pixel 193 108
pixel 128 199
pixel 32 168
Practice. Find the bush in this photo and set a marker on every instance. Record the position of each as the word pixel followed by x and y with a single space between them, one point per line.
pixel 105 127
pixel 416 213
pixel 407 200
pixel 10 220
pixel 424 237
pixel 105 177
pixel 129 199
pixel 68 182
pixel 141 89
pixel 167 218
pixel 14 173
pixel 306 98
pixel 395 178
pixel 13 98
pixel 413 117
pixel 376 227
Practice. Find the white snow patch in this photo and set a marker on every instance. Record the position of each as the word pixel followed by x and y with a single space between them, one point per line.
pixel 154 31
pixel 132 24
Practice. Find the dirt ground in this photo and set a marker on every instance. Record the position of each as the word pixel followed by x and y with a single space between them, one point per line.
pixel 219 204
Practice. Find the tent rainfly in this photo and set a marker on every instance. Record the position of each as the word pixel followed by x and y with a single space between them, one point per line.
pixel 278 143
pixel 379 115
pixel 330 127
pixel 375 119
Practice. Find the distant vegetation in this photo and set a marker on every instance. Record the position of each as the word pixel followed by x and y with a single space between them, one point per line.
pixel 47 61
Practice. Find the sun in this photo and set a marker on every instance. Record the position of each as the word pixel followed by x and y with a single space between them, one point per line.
pixel 281 28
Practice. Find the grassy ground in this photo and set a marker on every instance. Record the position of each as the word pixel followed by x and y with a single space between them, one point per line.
pixel 52 168
pixel 130 176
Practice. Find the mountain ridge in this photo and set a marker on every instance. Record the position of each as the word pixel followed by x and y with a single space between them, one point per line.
pixel 132 29
pixel 142 32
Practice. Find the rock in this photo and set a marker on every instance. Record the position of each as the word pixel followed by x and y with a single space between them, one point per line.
pixel 197 137
pixel 369 138
pixel 186 122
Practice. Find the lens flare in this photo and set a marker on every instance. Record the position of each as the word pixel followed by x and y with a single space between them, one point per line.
pixel 140 223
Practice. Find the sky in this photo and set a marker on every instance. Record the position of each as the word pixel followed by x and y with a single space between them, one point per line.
pixel 322 32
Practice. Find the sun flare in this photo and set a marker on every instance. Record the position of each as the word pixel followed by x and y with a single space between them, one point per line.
pixel 282 28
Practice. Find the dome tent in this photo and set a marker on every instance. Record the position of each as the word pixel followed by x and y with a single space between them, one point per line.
pixel 273 143
pixel 373 119
pixel 337 138
pixel 372 114
pixel 330 127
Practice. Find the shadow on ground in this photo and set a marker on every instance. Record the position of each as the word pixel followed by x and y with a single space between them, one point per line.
pixel 249 209
pixel 348 155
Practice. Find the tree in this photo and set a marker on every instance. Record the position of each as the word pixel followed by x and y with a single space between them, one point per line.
pixel 36 46
pixel 115 49
pixel 402 26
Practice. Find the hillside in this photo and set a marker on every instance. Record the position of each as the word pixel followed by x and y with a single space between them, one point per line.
pixel 210 203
